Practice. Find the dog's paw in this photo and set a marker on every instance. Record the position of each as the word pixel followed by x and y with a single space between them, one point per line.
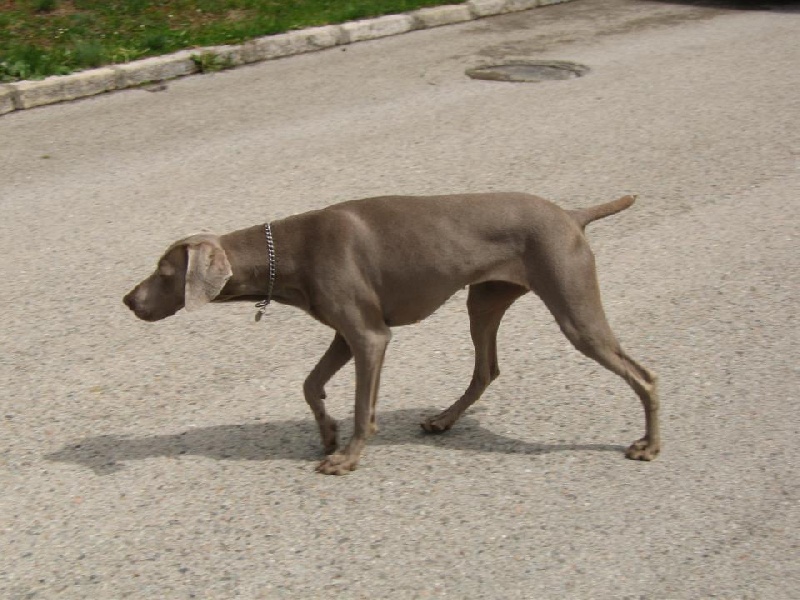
pixel 642 449
pixel 435 424
pixel 337 464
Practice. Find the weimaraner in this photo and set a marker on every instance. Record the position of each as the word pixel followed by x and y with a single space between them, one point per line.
pixel 365 266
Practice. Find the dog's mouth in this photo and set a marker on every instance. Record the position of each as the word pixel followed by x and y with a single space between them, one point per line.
pixel 144 315
pixel 151 316
pixel 147 315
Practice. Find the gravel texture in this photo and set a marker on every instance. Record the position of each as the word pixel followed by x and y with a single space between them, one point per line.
pixel 175 460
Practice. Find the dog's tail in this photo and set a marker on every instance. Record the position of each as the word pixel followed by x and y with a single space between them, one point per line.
pixel 584 216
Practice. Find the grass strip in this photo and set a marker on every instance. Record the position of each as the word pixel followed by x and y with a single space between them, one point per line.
pixel 55 37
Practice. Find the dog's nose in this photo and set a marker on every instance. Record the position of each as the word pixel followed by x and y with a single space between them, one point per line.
pixel 128 300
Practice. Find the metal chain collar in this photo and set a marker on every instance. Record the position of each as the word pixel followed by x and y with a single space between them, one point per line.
pixel 262 306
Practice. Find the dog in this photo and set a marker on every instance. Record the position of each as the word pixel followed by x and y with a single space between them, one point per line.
pixel 365 266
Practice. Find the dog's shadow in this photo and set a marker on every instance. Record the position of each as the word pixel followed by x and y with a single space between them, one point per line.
pixel 294 440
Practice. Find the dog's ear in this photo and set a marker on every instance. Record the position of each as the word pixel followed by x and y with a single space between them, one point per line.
pixel 207 271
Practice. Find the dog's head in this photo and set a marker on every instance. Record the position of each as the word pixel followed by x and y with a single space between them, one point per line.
pixel 191 273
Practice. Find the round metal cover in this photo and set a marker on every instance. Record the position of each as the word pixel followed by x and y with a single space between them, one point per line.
pixel 530 71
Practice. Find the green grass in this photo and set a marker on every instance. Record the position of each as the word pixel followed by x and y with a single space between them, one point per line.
pixel 54 37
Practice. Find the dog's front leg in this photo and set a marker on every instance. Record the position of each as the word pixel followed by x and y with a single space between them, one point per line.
pixel 369 348
pixel 335 358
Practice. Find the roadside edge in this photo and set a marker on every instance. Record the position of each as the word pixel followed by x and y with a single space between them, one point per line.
pixel 21 95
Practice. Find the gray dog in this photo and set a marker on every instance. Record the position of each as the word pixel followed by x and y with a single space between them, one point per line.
pixel 365 266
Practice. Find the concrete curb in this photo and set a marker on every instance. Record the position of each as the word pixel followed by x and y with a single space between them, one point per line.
pixel 29 94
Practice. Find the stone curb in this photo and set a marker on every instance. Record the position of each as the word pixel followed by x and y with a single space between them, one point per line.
pixel 29 94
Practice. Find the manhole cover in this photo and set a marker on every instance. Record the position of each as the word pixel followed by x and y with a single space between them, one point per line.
pixel 529 71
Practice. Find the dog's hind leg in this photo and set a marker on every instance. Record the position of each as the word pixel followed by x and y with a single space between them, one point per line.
pixel 573 297
pixel 642 381
pixel 487 303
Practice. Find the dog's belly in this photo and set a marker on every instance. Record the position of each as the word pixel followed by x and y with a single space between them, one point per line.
pixel 412 308
pixel 418 299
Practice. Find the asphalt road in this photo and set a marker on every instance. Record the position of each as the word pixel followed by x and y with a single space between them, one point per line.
pixel 175 460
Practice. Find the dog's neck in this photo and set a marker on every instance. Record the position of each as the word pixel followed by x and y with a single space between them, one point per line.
pixel 246 250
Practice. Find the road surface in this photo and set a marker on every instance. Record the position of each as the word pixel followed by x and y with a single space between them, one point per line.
pixel 175 460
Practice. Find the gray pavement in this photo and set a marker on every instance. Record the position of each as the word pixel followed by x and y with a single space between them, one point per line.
pixel 175 460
